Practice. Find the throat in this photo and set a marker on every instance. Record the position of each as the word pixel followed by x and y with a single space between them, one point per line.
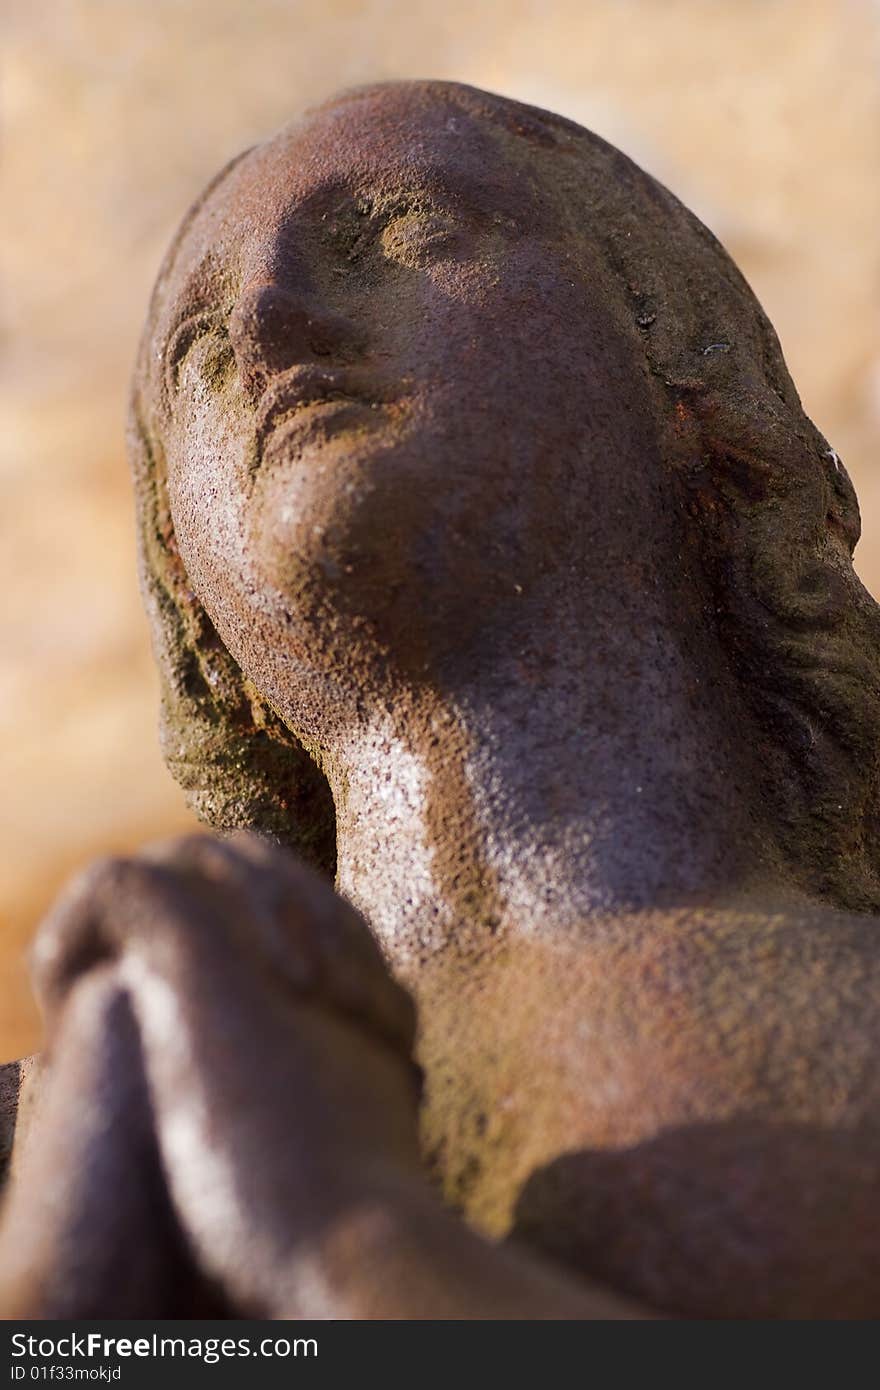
pixel 533 803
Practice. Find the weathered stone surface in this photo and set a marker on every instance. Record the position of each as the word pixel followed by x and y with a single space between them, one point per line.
pixel 106 117
pixel 473 485
pixel 493 565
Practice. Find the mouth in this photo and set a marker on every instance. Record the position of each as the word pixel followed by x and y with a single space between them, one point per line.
pixel 323 399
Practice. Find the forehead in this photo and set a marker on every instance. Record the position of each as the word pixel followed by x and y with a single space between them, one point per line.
pixel 371 149
pixel 377 144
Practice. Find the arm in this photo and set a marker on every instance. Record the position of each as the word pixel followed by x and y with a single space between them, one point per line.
pixel 398 1254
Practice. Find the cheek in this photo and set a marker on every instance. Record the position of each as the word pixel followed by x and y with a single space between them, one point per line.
pixel 207 457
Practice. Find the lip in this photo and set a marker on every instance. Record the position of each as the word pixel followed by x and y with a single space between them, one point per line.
pixel 299 390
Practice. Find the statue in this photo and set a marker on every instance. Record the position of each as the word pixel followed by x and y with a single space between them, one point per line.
pixel 494 570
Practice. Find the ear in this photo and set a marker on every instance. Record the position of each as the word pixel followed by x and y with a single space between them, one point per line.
pixel 238 763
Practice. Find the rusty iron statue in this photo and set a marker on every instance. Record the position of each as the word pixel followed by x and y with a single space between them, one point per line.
pixel 497 577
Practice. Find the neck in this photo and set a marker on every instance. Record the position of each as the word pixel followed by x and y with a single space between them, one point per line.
pixel 540 788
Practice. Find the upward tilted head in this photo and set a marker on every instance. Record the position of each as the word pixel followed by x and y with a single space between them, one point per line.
pixel 431 369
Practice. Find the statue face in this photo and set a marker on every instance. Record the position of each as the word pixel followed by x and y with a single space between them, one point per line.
pixel 391 385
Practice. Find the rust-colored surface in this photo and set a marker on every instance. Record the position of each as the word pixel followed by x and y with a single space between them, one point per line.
pixel 766 119
pixel 493 564
pixel 473 489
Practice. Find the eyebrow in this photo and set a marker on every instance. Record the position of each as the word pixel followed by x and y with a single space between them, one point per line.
pixel 504 183
pixel 480 193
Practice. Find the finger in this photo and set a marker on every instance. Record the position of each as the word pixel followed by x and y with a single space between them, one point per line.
pixel 217 914
pixel 310 938
pixel 353 974
pixel 76 934
pixel 174 913
pixel 88 1229
pixel 250 898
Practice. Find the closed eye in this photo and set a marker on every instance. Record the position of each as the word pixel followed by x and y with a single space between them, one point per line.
pixel 413 238
pixel 194 329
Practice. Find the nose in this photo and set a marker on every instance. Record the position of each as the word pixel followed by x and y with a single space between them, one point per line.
pixel 272 328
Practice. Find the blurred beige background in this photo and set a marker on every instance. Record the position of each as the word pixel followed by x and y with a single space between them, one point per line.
pixel 763 115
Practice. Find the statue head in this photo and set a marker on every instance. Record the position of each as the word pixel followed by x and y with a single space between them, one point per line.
pixel 430 366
